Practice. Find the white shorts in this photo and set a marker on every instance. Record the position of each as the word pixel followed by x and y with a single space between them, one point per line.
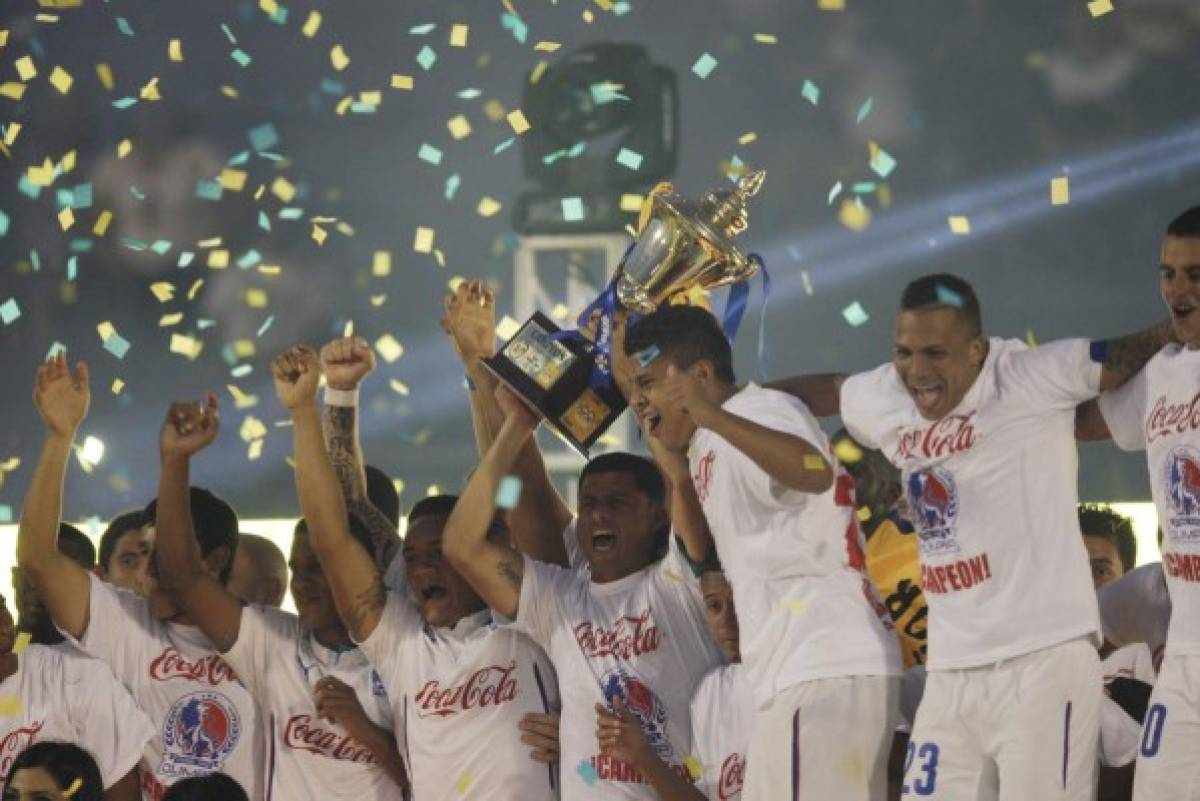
pixel 1168 759
pixel 1022 729
pixel 824 739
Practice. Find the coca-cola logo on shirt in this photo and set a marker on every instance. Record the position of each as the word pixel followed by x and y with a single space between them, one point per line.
pixel 17 741
pixel 733 774
pixel 208 669
pixel 305 734
pixel 1172 418
pixel 952 434
pixel 628 637
pixel 704 474
pixel 488 686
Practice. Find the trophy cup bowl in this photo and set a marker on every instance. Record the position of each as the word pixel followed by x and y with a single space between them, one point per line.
pixel 681 244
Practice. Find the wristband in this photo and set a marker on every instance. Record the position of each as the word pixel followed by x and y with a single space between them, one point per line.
pixel 341 397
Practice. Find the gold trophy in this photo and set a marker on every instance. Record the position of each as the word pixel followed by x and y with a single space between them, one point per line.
pixel 680 245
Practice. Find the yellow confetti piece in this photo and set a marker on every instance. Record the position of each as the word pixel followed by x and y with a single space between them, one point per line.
pixel 270 270
pixel 283 189
pixel 1030 339
pixel 439 257
pixel 538 71
pixel 371 98
pixel 1060 191
pixel 795 605
pixel 458 35
pixel 464 781
pixel 117 386
pixel 1099 8
pixel 105 74
pixel 244 348
pixel 24 638
pixel 229 91
pixel 150 90
pixel 186 346
pixel 66 218
pixel 252 428
pixel 26 71
pixel 61 80
pixel 488 207
pixel 423 240
pixel 854 215
pixel 12 90
pixel 507 328
pixel 175 50
pixel 319 234
pixel 863 514
pixel 195 288
pixel 813 462
pixel 404 82
pixel 124 148
pixel 959 225
pixel 460 126
pixel 3 37
pixel 163 290
pixel 255 450
pixel 10 133
pixel 269 7
pixel 546 47
pixel 168 320
pixel 747 138
pixel 399 387
pixel 256 298
pixel 494 110
pixel 212 242
pixel 381 264
pixel 831 5
pixel 10 706
pixel 847 452
pixel 588 16
pixel 389 348
pixel 233 180
pixel 378 300
pixel 630 202
pixel 766 38
pixel 694 768
pixel 338 58
pixel 101 226
pixel 41 176
pixel 240 399
pixel 68 162
pixel 218 259
pixel 312 24
pixel 516 118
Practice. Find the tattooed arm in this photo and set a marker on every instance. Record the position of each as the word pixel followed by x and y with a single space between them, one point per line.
pixel 1124 356
pixel 495 570
pixel 353 576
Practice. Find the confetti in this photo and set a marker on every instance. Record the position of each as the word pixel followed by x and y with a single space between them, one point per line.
pixel 427 58
pixel 319 234
pixel 460 126
pixel 855 314
pixel 881 161
pixel 66 218
pixel 507 328
pixel 312 24
pixel 631 202
pixel 423 240
pixel 399 387
pixel 847 451
pixel 452 184
pixel 864 110
pixel 430 154
pixel 546 47
pixel 1098 8
pixel 175 50
pixel 404 82
pixel 104 73
pixel 3 223
pixel 629 158
pixel 487 207
pixel 1060 191
pixel 233 180
pixel 61 80
pixel 256 298
pixel 831 5
pixel 101 226
pixel 572 209
pixel 508 494
pixel 163 290
pixel 959 225
pixel 795 605
pixel 338 58
pixel 463 783
pixel 587 773
pixel 516 119
pixel 948 297
pixel 124 148
pixel 13 91
pixel 26 70
pixel 458 35
pixel 704 66
pixel 283 189
pixel 10 312
pixel 834 191
pixel 186 346
pixel 168 320
pixel 381 264
pixel 694 767
pixel 10 706
pixel 241 57
pixel 766 38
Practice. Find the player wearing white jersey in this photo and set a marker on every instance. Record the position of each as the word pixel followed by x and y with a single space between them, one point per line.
pixel 1159 412
pixel 458 684
pixel 328 720
pixel 816 646
pixel 982 430
pixel 206 719
pixel 1136 608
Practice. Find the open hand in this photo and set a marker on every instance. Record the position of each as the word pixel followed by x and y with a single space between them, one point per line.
pixel 297 372
pixel 540 732
pixel 346 362
pixel 189 428
pixel 619 734
pixel 470 320
pixel 62 397
pixel 337 703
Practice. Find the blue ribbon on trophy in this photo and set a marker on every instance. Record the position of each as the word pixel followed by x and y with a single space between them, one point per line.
pixel 735 309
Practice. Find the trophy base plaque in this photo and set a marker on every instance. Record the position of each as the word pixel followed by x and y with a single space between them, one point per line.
pixel 554 378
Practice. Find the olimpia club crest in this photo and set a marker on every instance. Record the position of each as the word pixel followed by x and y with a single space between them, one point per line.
pixel 933 500
pixel 1183 495
pixel 200 730
pixel 647 707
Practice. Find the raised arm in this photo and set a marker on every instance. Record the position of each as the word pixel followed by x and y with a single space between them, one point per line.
pixel 687 515
pixel 496 571
pixel 821 392
pixel 1090 425
pixel 353 576
pixel 190 428
pixel 1122 357
pixel 62 399
pixel 346 362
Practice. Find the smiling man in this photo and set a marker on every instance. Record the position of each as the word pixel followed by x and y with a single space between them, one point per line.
pixel 983 432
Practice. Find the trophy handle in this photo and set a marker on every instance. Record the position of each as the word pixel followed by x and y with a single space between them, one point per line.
pixel 742 270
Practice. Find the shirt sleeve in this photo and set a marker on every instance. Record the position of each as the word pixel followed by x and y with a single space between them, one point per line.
pixel 543 588
pixel 398 625
pixel 1124 411
pixel 783 413
pixel 121 630
pixel 1057 375
pixel 107 721
pixel 862 399
pixel 266 637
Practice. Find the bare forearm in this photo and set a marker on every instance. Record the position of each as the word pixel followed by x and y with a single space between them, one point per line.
pixel 786 458
pixel 382 745
pixel 1124 356
pixel 340 425
pixel 688 521
pixel 486 414
pixel 669 785
pixel 540 516
pixel 821 392
pixel 1089 423
pixel 177 552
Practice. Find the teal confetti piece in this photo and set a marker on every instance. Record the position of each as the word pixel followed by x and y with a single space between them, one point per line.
pixel 242 370
pixel 811 92
pixel 644 357
pixel 427 58
pixel 291 213
pixel 264 222
pixel 587 773
pixel 124 102
pixel 423 30
pixel 505 145
pixel 6 513
pixel 332 87
pixel 81 246
pixel 469 94
pixel 452 184
pixel 64 198
pixel 430 154
pixel 161 247
pixel 82 196
pixel 855 314
pixel 508 494
pixel 55 349
pixel 280 16
pixel 124 27
pixel 865 109
pixel 512 22
pixel 704 66
pixel 629 158
pixel 10 312
pixel 250 258
pixel 137 193
pixel 239 159
pixel 72 268
pixel 550 158
pixel 241 57
pixel 204 323
pixel 263 137
pixel 834 192
pixel 35 260
pixel 883 163
pixel 3 223
pixel 185 258
pixel 28 187
pixel 209 190
pixel 228 34
pixel 572 209
pixel 949 297
pixel 270 156
pixel 359 107
pixel 621 9
pixel 735 169
pixel 864 187
pixel 117 345
pixel 133 244
pixel 606 92
pixel 262 329
pixel 576 150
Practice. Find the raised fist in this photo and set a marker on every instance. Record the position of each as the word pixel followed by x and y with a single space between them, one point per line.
pixel 189 428
pixel 62 397
pixel 470 320
pixel 346 362
pixel 297 372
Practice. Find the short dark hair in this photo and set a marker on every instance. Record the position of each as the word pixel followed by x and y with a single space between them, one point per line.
pixel 646 476
pixel 1101 520
pixel 1186 224
pixel 210 787
pixel 683 335
pixel 381 492
pixel 121 525
pixel 214 522
pixel 443 505
pixel 358 530
pixel 75 544
pixel 66 763
pixel 943 290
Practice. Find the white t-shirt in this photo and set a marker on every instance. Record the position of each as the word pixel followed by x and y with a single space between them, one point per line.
pixel 1137 608
pixel 310 758
pixel 207 720
pixel 1159 410
pixel 1119 732
pixel 722 723
pixel 642 638
pixel 457 695
pixel 992 489
pixel 58 693
pixel 807 608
